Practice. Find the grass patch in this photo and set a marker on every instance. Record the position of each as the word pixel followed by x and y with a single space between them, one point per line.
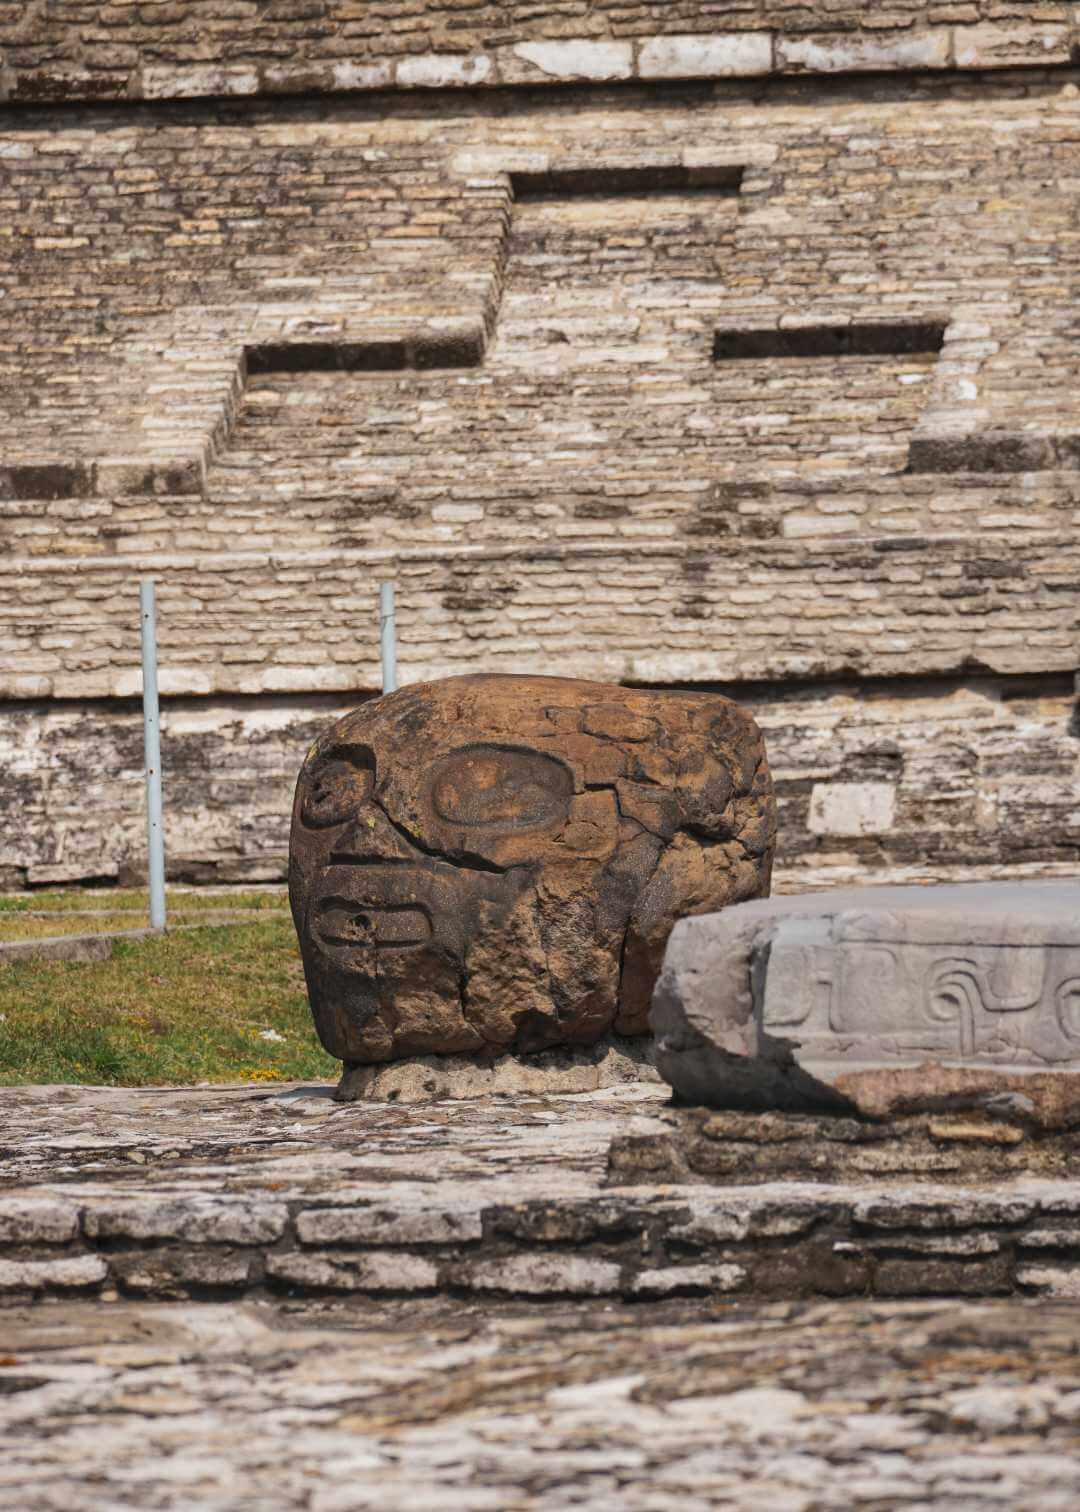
pixel 44 915
pixel 178 1008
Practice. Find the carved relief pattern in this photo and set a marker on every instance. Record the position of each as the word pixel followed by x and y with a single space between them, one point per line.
pixel 1014 1005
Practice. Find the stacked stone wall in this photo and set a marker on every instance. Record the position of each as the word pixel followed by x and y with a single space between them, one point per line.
pixel 75 49
pixel 761 383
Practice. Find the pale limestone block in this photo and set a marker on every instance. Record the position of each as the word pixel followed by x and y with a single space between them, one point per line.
pixel 37 1220
pixel 488 161
pixel 852 808
pixel 197 81
pixel 381 1271
pixel 203 1221
pixel 1002 1408
pixel 385 1225
pixel 323 679
pixel 52 1275
pixel 672 1280
pixel 1051 1280
pixel 825 53
pixel 177 680
pixel 25 685
pixel 749 154
pixel 706 56
pixel 579 58
pixel 1003 45
pixel 543 1275
pixel 349 75
pixel 444 71
pixel 799 526
pixel 1052 1239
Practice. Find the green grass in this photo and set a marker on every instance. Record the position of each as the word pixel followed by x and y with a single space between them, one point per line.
pixel 39 916
pixel 177 1008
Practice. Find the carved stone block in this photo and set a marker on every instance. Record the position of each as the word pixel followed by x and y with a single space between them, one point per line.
pixel 495 863
pixel 877 999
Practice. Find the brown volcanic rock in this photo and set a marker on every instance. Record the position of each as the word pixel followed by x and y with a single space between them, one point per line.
pixel 491 864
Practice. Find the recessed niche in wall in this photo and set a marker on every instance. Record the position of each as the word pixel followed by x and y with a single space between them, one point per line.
pixel 866 339
pixel 618 181
pixel 436 350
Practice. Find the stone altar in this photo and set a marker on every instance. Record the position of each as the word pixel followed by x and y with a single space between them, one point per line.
pixel 492 864
pixel 879 1000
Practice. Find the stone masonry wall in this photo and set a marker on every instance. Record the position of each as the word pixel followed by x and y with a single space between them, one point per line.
pixel 72 49
pixel 761 383
pixel 902 782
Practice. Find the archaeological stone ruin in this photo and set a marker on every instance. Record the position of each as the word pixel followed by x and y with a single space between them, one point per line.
pixel 697 923
pixel 496 863
pixel 879 1000
pixel 728 347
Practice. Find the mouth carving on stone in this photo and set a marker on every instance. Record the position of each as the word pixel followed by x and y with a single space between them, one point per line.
pixel 370 907
pixel 392 926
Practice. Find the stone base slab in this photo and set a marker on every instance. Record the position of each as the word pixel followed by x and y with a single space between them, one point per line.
pixel 226 1192
pixel 611 1062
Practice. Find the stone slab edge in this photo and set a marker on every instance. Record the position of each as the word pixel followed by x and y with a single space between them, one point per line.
pixel 779 1240
pixel 574 60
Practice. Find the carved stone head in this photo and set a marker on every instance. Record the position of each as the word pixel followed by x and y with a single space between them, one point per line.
pixel 496 862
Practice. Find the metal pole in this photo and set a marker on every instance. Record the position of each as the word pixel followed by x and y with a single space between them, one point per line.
pixel 388 637
pixel 155 833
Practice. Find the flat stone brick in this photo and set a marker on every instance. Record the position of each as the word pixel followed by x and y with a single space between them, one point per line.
pixel 164 1273
pixel 75 1274
pixel 576 58
pixel 822 53
pixel 541 1275
pixel 1005 45
pixel 37 1220
pixel 383 1271
pixel 1051 1280
pixel 388 1226
pixel 203 1221
pixel 705 56
pixel 444 71
pixel 684 1280
pixel 909 1210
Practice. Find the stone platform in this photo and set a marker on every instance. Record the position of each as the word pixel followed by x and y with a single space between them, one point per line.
pixel 218 1193
pixel 462 1406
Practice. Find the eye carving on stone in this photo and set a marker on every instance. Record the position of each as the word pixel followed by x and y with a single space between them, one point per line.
pixel 340 781
pixel 501 787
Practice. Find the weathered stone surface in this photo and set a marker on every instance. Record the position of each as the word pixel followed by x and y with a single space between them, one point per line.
pixel 728 1148
pixel 162 54
pixel 880 1000
pixel 495 863
pixel 477 1405
pixel 241 1192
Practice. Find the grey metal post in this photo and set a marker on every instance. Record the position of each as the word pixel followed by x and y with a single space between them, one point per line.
pixel 155 833
pixel 388 637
